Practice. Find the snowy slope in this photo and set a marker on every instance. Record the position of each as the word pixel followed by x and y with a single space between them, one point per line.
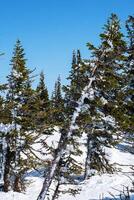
pixel 93 189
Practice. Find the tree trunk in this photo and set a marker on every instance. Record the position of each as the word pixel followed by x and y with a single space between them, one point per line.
pixel 51 172
pixel 17 184
pixel 87 162
pixel 55 195
pixel 7 170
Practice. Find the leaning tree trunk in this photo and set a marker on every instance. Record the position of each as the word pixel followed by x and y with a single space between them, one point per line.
pixel 51 172
pixel 58 177
pixel 62 145
pixel 55 195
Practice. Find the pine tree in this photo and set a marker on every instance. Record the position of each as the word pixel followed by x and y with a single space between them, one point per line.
pixel 43 102
pixel 105 97
pixel 17 101
pixel 57 104
pixel 79 77
pixel 128 87
pixel 15 98
pixel 77 81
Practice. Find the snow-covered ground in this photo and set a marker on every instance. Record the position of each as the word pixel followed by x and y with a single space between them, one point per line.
pixel 96 188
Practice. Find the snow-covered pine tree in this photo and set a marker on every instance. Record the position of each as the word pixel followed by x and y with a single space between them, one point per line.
pixel 128 89
pixel 77 81
pixel 44 126
pixel 30 130
pixel 104 97
pixel 15 98
pixel 19 97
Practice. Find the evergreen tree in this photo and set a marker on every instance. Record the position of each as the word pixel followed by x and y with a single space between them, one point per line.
pixel 57 104
pixel 43 102
pixel 128 88
pixel 17 100
pixel 79 77
pixel 105 97
pixel 77 81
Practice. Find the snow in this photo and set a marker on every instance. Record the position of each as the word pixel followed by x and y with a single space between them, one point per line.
pixel 86 63
pixel 16 74
pixel 110 43
pixel 103 100
pixel 6 128
pixel 39 148
pixel 91 94
pixel 96 187
pixel 109 119
pixel 85 94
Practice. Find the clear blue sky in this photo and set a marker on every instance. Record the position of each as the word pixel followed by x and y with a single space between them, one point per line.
pixel 50 29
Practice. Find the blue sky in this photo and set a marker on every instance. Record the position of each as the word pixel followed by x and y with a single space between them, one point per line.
pixel 50 29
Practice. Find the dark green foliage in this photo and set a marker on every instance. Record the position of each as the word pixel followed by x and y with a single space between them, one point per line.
pixel 57 104
pixel 105 96
pixel 43 103
pixel 2 111
pixel 77 81
pixel 128 92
